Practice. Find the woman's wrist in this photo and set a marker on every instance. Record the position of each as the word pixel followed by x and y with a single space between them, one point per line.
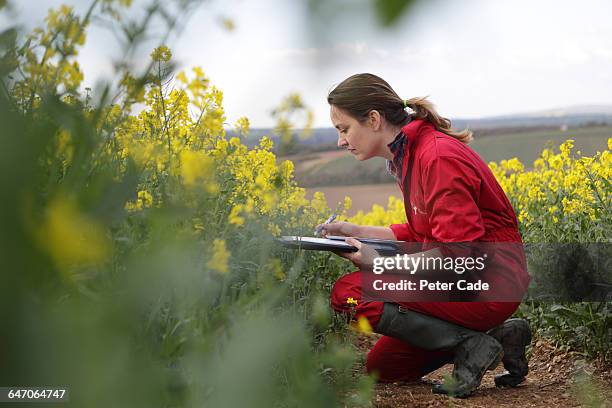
pixel 359 231
pixel 367 231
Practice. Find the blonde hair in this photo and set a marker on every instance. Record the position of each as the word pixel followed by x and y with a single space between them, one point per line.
pixel 361 93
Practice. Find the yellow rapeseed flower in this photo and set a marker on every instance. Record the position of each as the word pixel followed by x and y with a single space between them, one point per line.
pixel 161 53
pixel 265 143
pixel 347 203
pixel 242 126
pixel 220 257
pixel 276 267
pixel 362 325
pixel 234 216
pixel 555 162
pixel 194 166
pixel 144 200
pixel 71 237
pixel 274 229
pixel 566 147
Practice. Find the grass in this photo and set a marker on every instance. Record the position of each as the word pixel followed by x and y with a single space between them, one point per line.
pixel 527 146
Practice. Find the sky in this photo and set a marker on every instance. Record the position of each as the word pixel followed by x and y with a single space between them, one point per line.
pixel 473 58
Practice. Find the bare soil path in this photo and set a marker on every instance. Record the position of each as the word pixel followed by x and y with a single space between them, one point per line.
pixel 557 378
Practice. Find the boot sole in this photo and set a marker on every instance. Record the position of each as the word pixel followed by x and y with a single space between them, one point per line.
pixel 508 380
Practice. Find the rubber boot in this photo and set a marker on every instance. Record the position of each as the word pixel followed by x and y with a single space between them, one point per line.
pixel 475 352
pixel 514 335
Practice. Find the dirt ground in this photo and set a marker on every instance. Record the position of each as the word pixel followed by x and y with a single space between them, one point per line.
pixel 556 379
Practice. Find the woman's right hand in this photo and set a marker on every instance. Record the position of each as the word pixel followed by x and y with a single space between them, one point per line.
pixel 342 228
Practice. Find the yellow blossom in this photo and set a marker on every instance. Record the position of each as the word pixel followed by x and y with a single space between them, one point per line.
pixel 194 166
pixel 265 143
pixel 144 200
pixel 347 203
pixel 242 126
pixel 161 53
pixel 362 325
pixel 275 265
pixel 274 229
pixel 234 217
pixel 566 147
pixel 71 237
pixel 220 257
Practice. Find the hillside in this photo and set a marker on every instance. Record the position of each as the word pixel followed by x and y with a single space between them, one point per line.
pixel 322 139
pixel 337 167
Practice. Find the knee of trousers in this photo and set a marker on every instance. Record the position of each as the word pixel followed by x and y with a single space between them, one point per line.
pixel 346 293
pixel 346 299
pixel 388 369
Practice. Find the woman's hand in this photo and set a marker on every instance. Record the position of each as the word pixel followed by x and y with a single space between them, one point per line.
pixel 363 258
pixel 340 228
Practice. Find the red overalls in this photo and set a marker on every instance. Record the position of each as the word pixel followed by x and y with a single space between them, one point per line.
pixel 451 196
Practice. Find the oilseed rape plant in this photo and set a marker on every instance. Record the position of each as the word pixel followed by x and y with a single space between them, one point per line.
pixel 138 238
pixel 563 197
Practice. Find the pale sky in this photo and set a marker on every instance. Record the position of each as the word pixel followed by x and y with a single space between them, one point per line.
pixel 474 58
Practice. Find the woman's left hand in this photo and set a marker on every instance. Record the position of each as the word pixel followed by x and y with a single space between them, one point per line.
pixel 363 258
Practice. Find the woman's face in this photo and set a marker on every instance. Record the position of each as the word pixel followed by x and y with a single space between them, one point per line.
pixel 358 138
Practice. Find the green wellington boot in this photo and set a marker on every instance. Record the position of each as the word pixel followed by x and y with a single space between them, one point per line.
pixel 475 352
pixel 514 335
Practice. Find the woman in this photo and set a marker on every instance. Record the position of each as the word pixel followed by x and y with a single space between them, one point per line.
pixel 450 195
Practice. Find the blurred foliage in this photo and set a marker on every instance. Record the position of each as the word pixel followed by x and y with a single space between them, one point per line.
pixel 387 12
pixel 138 241
pixel 290 110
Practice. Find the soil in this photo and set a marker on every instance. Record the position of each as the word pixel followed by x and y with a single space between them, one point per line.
pixel 556 379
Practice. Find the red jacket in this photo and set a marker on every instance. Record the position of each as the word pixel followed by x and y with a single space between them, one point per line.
pixel 452 195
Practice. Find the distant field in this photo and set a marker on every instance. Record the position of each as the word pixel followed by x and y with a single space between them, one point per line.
pixel 363 196
pixel 340 168
pixel 527 146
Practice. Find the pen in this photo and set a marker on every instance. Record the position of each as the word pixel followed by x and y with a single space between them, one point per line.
pixel 320 227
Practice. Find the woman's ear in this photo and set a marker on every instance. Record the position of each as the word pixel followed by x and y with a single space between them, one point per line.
pixel 375 120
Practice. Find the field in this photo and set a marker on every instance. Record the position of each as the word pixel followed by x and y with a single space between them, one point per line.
pixel 362 196
pixel 527 146
pixel 141 265
pixel 338 167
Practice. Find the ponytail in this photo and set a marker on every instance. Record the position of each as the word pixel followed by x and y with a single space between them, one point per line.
pixel 361 93
pixel 424 109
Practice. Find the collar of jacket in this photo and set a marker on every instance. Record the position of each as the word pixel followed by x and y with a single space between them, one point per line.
pixel 400 148
pixel 402 156
pixel 411 130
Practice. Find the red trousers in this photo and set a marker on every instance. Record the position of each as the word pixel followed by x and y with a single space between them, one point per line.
pixel 394 360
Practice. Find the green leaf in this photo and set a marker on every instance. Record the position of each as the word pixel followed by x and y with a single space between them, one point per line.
pixel 389 11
